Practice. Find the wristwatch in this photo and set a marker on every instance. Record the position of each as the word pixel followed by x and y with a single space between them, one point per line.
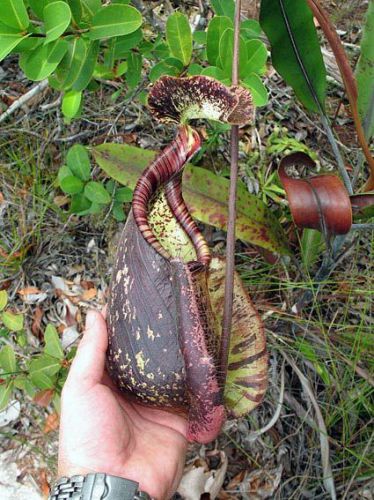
pixel 97 487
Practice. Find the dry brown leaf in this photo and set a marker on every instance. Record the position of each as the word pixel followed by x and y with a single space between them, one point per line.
pixel 51 423
pixel 43 398
pixel 29 290
pixel 198 479
pixel 89 294
pixel 43 483
pixel 36 322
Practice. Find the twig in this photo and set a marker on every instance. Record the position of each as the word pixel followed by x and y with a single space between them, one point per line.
pixel 24 99
pixel 328 479
pixel 230 249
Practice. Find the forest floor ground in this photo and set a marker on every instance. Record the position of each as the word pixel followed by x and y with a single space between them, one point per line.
pixel 320 361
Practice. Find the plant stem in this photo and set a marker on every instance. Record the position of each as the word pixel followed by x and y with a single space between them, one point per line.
pixel 230 247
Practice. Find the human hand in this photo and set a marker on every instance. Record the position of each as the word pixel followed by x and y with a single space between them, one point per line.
pixel 102 432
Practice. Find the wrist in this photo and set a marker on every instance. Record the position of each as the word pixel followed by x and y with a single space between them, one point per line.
pixel 97 486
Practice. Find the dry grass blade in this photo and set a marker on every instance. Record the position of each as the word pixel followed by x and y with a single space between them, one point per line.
pixel 328 479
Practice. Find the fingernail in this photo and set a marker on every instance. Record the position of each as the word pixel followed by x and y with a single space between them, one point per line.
pixel 90 319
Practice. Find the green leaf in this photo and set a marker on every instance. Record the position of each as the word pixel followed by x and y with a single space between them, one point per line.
pixel 205 193
pixel 312 243
pixel 250 28
pixel 295 49
pixel 115 20
pixel 87 67
pixel 46 364
pixel 3 299
pixel 123 195
pixel 9 39
pixel 52 343
pixel 79 162
pixel 57 17
pixel 217 73
pixel 38 6
pixel 76 10
pixel 170 66
pixel 89 9
pixel 224 8
pixel 14 322
pixel 8 359
pixel 226 47
pixel 257 56
pixel 258 90
pixel 71 103
pixel 179 37
pixel 70 67
pixel 118 212
pixel 200 37
pixel 41 62
pixel 134 69
pixel 217 26
pixel 96 192
pixel 80 204
pixel 123 44
pixel 68 182
pixel 13 13
pixel 5 393
pixel 365 74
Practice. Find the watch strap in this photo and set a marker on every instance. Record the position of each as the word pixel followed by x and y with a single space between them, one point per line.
pixel 97 486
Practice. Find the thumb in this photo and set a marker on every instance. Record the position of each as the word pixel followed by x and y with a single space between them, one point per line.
pixel 88 366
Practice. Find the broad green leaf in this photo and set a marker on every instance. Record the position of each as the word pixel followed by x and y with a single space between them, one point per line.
pixel 123 195
pixel 71 103
pixel 5 393
pixel 226 47
pixel 96 208
pixel 57 17
pixel 13 13
pixel 205 193
pixel 250 28
pixel 79 162
pixel 217 73
pixel 115 20
pixel 41 62
pixel 118 212
pixel 200 37
pixel 14 322
pixel 217 26
pixel 86 67
pixel 312 243
pixel 89 9
pixel 96 193
pixel 52 343
pixel 170 66
pixel 257 56
pixel 179 37
pixel 365 74
pixel 134 69
pixel 295 49
pixel 8 359
pixel 9 39
pixel 38 6
pixel 224 8
pixel 195 69
pixel 46 364
pixel 3 299
pixel 258 90
pixel 69 68
pixel 80 204
pixel 69 183
pixel 76 10
pixel 123 44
